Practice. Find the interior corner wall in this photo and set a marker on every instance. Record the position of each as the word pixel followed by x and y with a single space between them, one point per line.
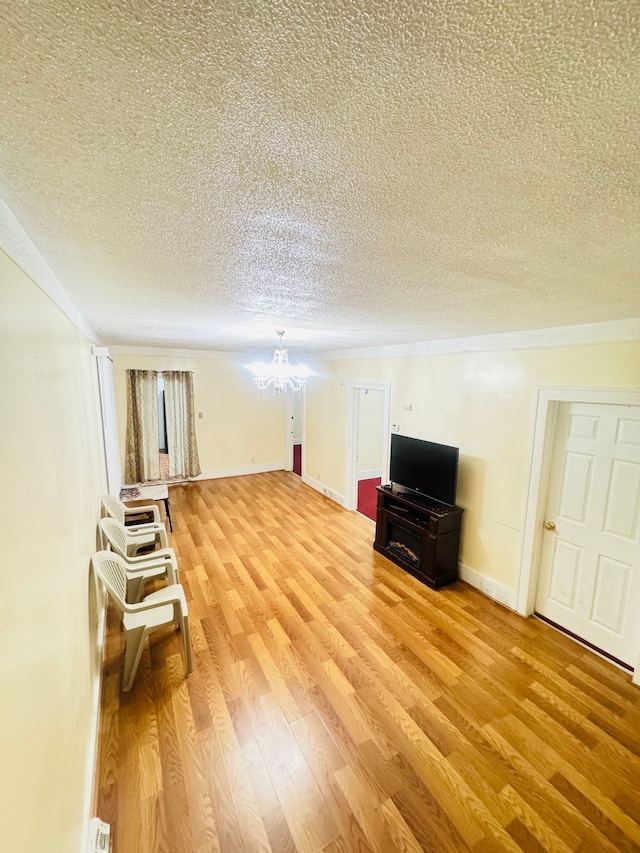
pixel 484 403
pixel 240 431
pixel 52 479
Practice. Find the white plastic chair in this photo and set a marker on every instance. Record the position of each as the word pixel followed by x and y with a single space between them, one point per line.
pixel 140 569
pixel 120 511
pixel 149 534
pixel 140 535
pixel 160 608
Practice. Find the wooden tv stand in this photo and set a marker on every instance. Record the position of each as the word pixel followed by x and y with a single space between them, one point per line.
pixel 421 537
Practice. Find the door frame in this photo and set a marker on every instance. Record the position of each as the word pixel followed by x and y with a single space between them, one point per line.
pixel 288 415
pixel 109 420
pixel 351 477
pixel 541 452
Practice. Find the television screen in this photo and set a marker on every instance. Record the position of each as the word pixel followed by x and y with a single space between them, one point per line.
pixel 423 467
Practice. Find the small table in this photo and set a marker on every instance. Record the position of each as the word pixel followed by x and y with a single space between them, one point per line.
pixel 153 493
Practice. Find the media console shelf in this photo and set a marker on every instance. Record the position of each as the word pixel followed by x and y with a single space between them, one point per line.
pixel 421 537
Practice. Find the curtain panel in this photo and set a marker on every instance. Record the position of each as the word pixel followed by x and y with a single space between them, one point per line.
pixel 181 424
pixel 141 462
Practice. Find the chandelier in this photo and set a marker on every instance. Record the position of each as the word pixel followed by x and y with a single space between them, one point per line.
pixel 279 375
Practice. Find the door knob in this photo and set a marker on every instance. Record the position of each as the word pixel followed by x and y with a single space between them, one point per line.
pixel 549 526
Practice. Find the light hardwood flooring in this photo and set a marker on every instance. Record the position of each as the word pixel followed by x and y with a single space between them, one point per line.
pixel 337 704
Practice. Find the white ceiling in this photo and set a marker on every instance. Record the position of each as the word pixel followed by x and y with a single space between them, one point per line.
pixel 357 172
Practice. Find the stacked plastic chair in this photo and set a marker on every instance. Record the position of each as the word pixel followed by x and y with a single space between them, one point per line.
pixel 139 619
pixel 141 568
pixel 140 553
pixel 149 533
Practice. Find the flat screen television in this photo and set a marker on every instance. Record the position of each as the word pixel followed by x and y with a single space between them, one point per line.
pixel 428 470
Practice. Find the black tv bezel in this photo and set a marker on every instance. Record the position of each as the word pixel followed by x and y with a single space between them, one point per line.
pixel 420 492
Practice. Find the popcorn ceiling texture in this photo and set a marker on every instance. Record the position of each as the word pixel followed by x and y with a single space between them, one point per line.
pixel 200 174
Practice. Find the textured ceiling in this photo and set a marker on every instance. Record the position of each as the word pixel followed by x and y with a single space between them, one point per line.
pixel 357 172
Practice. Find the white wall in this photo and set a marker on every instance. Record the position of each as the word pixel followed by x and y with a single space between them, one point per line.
pixel 369 437
pixel 482 402
pixel 52 479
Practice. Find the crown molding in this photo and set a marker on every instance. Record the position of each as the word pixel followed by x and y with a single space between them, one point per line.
pixel 168 352
pixel 17 244
pixel 613 332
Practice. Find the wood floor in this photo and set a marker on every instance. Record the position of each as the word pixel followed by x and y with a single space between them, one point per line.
pixel 337 704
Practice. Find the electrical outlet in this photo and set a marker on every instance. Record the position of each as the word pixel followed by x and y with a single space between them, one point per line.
pixel 395 427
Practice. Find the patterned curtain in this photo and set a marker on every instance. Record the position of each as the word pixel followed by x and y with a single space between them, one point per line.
pixel 181 424
pixel 142 463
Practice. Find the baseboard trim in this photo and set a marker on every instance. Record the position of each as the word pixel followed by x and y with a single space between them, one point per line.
pixel 91 772
pixel 324 490
pixel 370 475
pixel 239 470
pixel 486 585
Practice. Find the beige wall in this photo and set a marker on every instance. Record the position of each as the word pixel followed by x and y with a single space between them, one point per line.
pixel 239 428
pixel 52 479
pixel 483 403
pixel 325 425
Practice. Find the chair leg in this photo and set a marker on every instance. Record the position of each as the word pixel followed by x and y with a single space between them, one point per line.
pixel 135 589
pixel 186 636
pixel 134 643
pixel 172 572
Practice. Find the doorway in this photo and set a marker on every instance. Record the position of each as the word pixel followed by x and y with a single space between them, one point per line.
pixel 581 548
pixel 369 449
pixel 367 444
pixel 295 430
pixel 163 445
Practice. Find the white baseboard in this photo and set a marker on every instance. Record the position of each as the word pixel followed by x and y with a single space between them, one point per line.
pixel 91 765
pixel 324 490
pixel 370 475
pixel 239 470
pixel 488 586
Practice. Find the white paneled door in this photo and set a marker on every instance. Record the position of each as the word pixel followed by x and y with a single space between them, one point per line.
pixel 589 580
